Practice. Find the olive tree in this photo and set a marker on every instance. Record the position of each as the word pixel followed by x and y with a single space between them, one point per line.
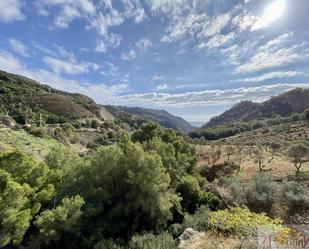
pixel 298 154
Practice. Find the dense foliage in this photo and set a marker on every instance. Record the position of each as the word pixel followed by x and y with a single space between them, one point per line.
pixel 143 184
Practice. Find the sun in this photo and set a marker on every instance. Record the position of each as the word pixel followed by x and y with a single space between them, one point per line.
pixel 273 12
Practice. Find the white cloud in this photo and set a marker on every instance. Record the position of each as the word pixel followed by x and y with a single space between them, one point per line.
pixel 110 69
pixel 69 10
pixel 167 6
pixel 70 67
pixel 43 49
pixel 266 59
pixel 140 16
pixel 10 10
pixel 139 47
pixel 134 9
pixel 183 25
pixel 165 87
pixel 143 45
pixel 276 42
pixel 9 63
pixel 99 92
pixel 268 76
pixel 66 16
pixel 214 26
pixel 111 40
pixel 117 94
pixel 102 21
pixel 217 41
pixel 244 21
pixel 157 77
pixel 161 87
pixel 100 17
pixel 19 47
pixel 257 55
pixel 208 97
pixel 128 55
pixel 63 53
pixel 200 25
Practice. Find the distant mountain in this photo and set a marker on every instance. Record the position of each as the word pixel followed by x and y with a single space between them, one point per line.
pixel 20 96
pixel 162 117
pixel 294 101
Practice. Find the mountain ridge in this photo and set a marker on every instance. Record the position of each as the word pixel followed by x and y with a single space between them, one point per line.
pixel 21 96
pixel 162 117
pixel 285 104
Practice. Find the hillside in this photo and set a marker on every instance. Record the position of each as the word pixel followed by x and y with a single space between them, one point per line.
pixel 162 117
pixel 25 99
pixel 294 101
pixel 22 98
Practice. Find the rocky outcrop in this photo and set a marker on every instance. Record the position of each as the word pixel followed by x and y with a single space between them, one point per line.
pixel 187 237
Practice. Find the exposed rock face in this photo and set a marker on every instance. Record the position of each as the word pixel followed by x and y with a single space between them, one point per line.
pixel 187 237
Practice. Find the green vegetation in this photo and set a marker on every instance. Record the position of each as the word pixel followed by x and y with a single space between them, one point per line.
pixel 141 193
pixel 264 194
pixel 286 104
pixel 37 146
pixel 232 129
pixel 26 100
pixel 241 222
pixel 135 116
pixel 74 176
pixel 143 184
pixel 298 154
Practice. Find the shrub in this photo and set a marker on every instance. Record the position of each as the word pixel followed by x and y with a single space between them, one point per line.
pixel 54 119
pixel 107 244
pixel 298 155
pixel 240 222
pixel 94 124
pixel 39 132
pixel 259 194
pixel 59 133
pixel 151 241
pixel 295 117
pixel 262 192
pixel 74 138
pixel 295 197
pixel 306 115
pixel 198 221
pixel 257 125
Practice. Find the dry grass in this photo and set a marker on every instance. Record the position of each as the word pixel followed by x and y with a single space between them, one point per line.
pixel 211 241
pixel 279 167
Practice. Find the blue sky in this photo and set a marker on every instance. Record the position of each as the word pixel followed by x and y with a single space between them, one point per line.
pixel 193 58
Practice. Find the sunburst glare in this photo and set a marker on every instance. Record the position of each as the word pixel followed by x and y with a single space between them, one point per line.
pixel 273 12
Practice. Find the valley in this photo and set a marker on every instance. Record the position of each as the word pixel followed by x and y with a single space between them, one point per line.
pixel 144 178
